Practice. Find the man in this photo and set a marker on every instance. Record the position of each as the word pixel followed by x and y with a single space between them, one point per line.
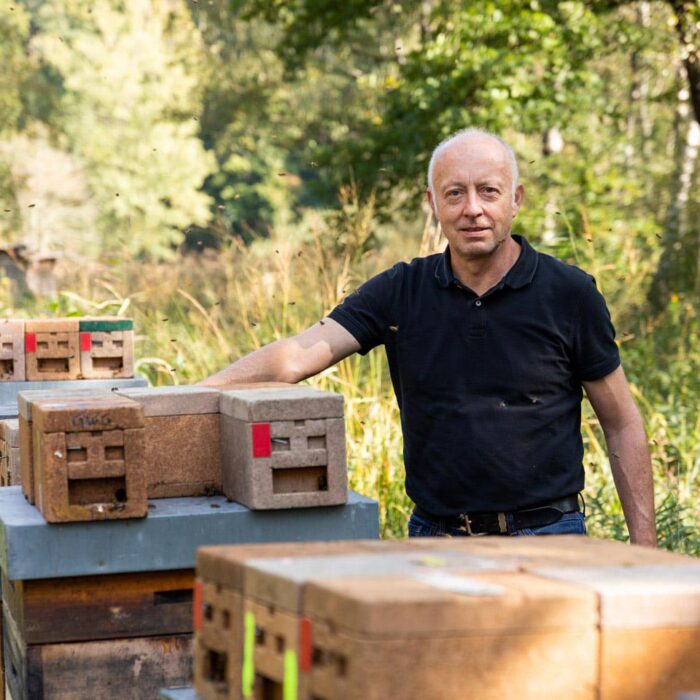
pixel 488 345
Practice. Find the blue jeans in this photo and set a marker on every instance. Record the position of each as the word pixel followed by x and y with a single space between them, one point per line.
pixel 573 523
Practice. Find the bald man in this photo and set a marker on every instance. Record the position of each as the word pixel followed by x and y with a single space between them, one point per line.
pixel 490 345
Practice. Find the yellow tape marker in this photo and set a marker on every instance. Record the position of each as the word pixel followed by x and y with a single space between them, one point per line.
pixel 248 670
pixel 291 676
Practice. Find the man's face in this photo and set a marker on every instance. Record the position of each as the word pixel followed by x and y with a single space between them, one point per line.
pixel 473 196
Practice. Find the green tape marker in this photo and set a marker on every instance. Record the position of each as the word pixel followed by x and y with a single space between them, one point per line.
pixel 291 676
pixel 107 326
pixel 248 670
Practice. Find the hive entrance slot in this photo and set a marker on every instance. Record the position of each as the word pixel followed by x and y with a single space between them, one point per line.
pixel 107 362
pixel 269 689
pixel 215 666
pixel 7 367
pixel 180 595
pixel 52 364
pixel 82 492
pixel 300 480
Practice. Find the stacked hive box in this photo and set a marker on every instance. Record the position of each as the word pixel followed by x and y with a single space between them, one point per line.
pixel 182 438
pixel 283 448
pixel 88 457
pixel 9 452
pixel 449 621
pixel 106 348
pixel 51 349
pixel 12 363
pixel 66 348
pixel 25 401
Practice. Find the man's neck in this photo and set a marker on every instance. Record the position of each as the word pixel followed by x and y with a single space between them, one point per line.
pixel 483 272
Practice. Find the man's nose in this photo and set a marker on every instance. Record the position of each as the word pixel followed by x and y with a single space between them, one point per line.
pixel 472 204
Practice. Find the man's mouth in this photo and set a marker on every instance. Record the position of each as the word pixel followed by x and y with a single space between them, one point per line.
pixel 474 229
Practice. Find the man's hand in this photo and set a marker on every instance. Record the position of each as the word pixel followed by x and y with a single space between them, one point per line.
pixel 290 359
pixel 628 451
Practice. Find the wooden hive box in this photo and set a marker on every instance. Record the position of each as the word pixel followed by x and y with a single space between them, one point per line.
pixel 283 448
pixel 649 626
pixel 12 362
pixel 182 440
pixel 218 606
pixel 88 458
pixel 9 452
pixel 106 347
pixel 26 450
pixel 357 621
pixel 51 349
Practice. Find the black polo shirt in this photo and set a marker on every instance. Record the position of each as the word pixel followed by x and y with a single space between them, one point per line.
pixel 489 387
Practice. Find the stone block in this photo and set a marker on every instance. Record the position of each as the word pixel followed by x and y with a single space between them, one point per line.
pixel 183 440
pixel 106 354
pixel 51 349
pixel 12 363
pixel 283 448
pixel 88 458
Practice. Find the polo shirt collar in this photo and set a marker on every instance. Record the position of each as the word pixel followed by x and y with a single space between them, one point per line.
pixel 521 274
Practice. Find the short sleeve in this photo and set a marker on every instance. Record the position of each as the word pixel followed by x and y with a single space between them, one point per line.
pixel 366 313
pixel 595 353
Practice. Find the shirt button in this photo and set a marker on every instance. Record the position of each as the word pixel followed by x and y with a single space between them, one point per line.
pixel 477 302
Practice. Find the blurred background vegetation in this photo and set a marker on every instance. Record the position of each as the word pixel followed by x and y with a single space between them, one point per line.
pixel 225 172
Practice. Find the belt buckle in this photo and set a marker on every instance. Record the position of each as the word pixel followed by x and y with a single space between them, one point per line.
pixel 467 524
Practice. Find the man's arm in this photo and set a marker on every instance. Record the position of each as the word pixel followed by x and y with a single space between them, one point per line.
pixel 628 451
pixel 291 359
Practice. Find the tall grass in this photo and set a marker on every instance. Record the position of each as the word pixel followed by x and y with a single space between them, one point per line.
pixel 195 316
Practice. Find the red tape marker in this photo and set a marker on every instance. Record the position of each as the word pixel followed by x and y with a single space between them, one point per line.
pixel 262 442
pixel 30 342
pixel 305 644
pixel 197 605
pixel 85 342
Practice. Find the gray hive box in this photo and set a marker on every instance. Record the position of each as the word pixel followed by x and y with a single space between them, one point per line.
pixel 283 448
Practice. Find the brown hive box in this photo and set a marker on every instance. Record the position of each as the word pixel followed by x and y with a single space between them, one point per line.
pixel 89 458
pixel 183 443
pixel 51 349
pixel 218 606
pixel 12 364
pixel 409 623
pixel 9 452
pixel 283 448
pixel 106 347
pixel 24 405
pixel 649 626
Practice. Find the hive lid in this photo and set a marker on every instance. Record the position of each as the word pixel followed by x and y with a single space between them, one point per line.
pixel 224 564
pixel 174 400
pixel 465 603
pixel 76 414
pixel 258 405
pixel 280 581
pixel 25 399
pixel 638 596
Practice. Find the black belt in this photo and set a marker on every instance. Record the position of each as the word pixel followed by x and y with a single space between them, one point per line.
pixel 497 523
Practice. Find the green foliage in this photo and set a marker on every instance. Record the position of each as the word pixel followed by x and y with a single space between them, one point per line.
pixel 129 110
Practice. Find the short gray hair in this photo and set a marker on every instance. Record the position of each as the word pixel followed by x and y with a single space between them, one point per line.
pixel 469 133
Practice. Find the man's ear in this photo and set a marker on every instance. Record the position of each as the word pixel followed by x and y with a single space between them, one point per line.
pixel 431 201
pixel 518 198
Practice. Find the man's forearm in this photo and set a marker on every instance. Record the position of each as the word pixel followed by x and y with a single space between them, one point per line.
pixel 268 364
pixel 631 467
